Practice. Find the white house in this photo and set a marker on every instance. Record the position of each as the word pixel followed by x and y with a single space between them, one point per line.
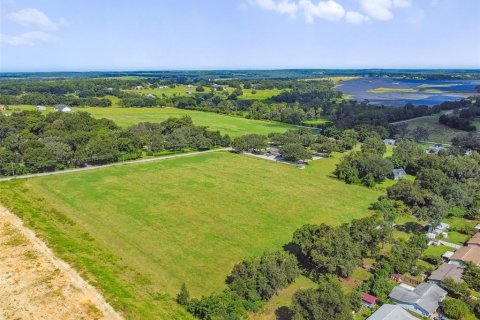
pixel 62 108
pixel 389 142
pixel 41 108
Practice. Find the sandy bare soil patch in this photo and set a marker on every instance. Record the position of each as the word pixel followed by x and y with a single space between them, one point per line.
pixel 34 284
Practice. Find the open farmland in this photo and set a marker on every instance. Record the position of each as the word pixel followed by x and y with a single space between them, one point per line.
pixel 181 90
pixel 233 126
pixel 138 232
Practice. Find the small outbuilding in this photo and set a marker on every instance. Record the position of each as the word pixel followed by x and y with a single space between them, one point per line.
pixel 389 142
pixel 62 108
pixel 398 174
pixel 368 300
pixel 151 96
pixel 41 108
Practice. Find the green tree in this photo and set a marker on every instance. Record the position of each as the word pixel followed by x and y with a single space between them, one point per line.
pixel 250 143
pixel 183 296
pixel 454 308
pixel 374 145
pixel 327 302
pixel 294 152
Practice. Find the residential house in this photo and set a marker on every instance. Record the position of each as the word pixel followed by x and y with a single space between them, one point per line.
pixel 110 89
pixel 424 299
pixel 474 241
pixel 151 96
pixel 446 271
pixel 389 142
pixel 466 254
pixel 436 149
pixel 368 300
pixel 391 312
pixel 440 229
pixel 41 108
pixel 477 227
pixel 62 108
pixel 398 174
pixel 138 87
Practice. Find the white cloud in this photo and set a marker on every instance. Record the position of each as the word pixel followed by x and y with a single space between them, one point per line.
pixel 354 17
pixel 284 6
pixel 329 10
pixel 29 39
pixel 382 9
pixel 333 10
pixel 34 17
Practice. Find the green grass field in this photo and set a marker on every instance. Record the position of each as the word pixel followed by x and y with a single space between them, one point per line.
pixel 234 126
pixel 438 132
pixel 181 90
pixel 139 231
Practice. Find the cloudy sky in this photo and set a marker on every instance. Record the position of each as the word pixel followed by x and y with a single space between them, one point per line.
pixel 63 35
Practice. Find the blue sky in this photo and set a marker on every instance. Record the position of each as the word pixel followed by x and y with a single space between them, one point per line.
pixel 64 35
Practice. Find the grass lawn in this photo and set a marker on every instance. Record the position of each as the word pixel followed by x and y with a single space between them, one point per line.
pixel 273 308
pixel 437 251
pixel 457 237
pixel 438 132
pixel 234 126
pixel 139 231
pixel 182 89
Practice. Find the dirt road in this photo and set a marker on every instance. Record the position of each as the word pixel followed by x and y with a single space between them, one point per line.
pixel 37 285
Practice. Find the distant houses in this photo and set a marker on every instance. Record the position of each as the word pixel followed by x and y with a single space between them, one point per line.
pixel 398 174
pixel 423 300
pixel 62 108
pixel 391 312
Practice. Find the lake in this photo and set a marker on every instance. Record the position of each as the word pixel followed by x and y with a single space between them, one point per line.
pixel 398 92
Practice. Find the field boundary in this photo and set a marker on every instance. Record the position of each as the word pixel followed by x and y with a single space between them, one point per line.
pixel 71 273
pixel 115 164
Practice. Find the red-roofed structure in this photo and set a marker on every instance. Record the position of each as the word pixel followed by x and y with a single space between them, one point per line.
pixel 368 299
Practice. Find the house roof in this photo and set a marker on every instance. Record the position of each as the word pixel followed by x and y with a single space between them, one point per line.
pixel 425 295
pixel 474 241
pixel 398 172
pixel 467 254
pixel 447 271
pixel 61 107
pixel 368 298
pixel 391 312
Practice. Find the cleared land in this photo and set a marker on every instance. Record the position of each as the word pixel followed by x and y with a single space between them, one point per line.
pixel 233 126
pixel 36 285
pixel 138 232
pixel 438 132
pixel 182 90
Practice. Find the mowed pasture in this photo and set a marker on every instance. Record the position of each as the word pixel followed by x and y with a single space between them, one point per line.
pixel 181 90
pixel 233 126
pixel 139 231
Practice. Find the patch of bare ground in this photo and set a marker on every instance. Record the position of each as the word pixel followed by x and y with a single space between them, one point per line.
pixel 34 284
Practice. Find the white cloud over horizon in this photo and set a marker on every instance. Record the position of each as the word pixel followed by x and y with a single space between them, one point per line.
pixel 28 39
pixel 32 18
pixel 333 10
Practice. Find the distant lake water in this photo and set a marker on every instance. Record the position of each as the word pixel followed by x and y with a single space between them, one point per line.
pixel 398 92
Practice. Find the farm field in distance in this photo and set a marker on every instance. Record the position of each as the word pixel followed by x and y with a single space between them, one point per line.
pixel 233 126
pixel 138 232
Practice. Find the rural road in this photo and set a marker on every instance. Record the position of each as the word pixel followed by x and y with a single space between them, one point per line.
pixel 115 164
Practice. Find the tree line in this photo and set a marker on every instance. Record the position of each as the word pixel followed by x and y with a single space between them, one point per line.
pixel 31 142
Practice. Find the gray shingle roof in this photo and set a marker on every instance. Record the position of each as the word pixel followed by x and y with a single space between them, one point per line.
pixel 391 312
pixel 447 271
pixel 425 295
